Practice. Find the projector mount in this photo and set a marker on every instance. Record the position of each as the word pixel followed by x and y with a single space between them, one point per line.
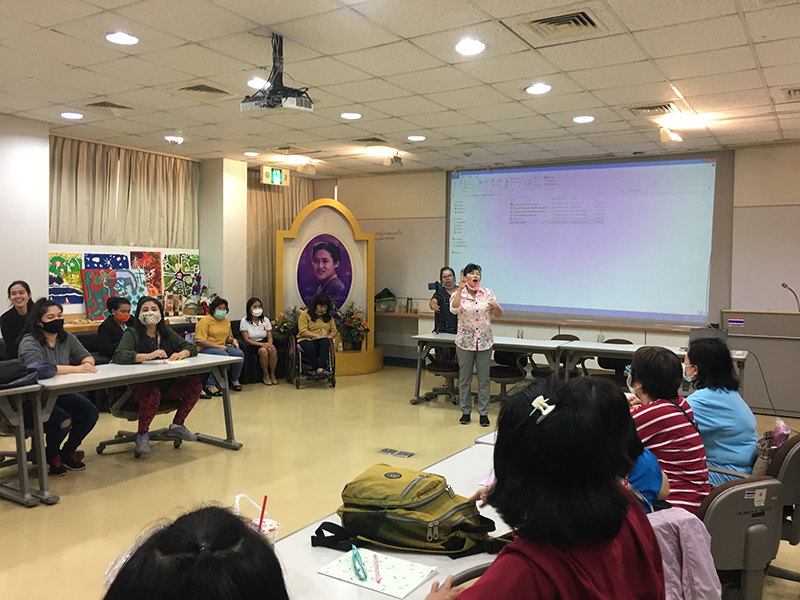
pixel 274 93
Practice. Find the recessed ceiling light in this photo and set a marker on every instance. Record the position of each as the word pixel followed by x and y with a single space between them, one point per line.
pixel 350 116
pixel 538 88
pixel 122 38
pixel 258 83
pixel 251 153
pixel 470 47
pixel 174 139
pixel 416 138
pixel 72 116
pixel 583 119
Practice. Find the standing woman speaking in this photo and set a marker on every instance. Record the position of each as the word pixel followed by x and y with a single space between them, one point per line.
pixel 474 305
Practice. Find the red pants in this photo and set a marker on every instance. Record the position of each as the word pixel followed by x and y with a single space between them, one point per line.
pixel 186 390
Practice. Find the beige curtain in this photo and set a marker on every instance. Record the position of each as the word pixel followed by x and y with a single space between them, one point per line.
pixel 109 196
pixel 157 203
pixel 270 208
pixel 83 192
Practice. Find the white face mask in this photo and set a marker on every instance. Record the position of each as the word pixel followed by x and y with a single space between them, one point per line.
pixel 685 376
pixel 257 312
pixel 150 317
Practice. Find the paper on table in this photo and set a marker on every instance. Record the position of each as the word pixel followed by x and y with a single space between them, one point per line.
pixel 398 577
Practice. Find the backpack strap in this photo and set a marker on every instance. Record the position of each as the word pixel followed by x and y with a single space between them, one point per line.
pixel 339 538
pixel 490 545
pixel 486 525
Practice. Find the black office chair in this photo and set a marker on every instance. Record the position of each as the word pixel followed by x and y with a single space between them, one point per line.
pixel 448 369
pixel 546 371
pixel 617 365
pixel 510 369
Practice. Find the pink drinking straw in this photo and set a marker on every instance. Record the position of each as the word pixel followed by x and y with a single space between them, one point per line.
pixel 263 510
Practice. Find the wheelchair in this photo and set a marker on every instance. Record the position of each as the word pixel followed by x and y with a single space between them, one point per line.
pixel 298 367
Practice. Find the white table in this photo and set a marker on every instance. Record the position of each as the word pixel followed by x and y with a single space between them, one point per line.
pixel 11 403
pixel 300 560
pixel 551 349
pixel 113 375
pixel 489 438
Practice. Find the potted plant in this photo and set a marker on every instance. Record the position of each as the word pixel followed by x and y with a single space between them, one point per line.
pixel 353 327
pixel 286 322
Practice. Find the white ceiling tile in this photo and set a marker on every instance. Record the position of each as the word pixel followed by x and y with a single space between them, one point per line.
pixel 759 125
pixel 524 124
pixel 508 8
pixel 648 93
pixel 498 112
pixel 607 139
pixel 434 80
pixel 94 28
pixel 323 99
pixel 57 47
pixel 138 70
pixel 600 115
pixel 322 71
pixel 751 111
pixel 89 82
pixel 469 97
pixel 291 119
pixel 787 75
pixel 369 90
pixel 368 114
pixel 561 84
pixel 213 132
pixel 499 42
pixel 641 15
pixel 109 4
pixel 712 62
pixel 618 75
pixel 255 47
pixel 410 105
pixel 541 134
pixel 165 120
pixel 18 65
pixel 717 84
pixel 92 132
pixel 390 59
pixel 647 147
pixel 731 100
pixel 568 144
pixel 774 23
pixel 10 103
pixel 740 139
pixel 42 89
pixel 46 13
pixel 465 132
pixel 194 59
pixel 442 119
pixel 338 131
pixel 334 32
pixel 255 127
pixel 409 18
pixel 601 52
pixel 724 32
pixel 546 104
pixel 781 52
pixel 267 12
pixel 11 28
pixel 192 20
pixel 528 63
pixel 581 152
pixel 134 127
pixel 152 98
pixel 393 125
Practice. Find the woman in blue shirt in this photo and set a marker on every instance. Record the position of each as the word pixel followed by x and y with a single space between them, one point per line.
pixel 727 425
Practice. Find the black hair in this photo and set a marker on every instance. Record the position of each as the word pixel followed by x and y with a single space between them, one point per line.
pixel 332 249
pixel 114 302
pixel 19 282
pixel 161 327
pixel 208 553
pixel 319 300
pixel 470 268
pixel 250 305
pixel 658 370
pixel 35 315
pixel 443 269
pixel 218 302
pixel 556 478
pixel 712 357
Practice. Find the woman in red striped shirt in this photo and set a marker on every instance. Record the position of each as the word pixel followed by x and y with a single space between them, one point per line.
pixel 666 426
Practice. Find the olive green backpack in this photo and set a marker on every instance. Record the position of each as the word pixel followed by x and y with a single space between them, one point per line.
pixel 403 509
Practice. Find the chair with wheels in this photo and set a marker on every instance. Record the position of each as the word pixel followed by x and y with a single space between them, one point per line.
pixel 298 368
pixel 743 518
pixel 448 369
pixel 510 369
pixel 121 409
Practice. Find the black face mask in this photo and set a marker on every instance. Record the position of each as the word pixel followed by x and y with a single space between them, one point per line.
pixel 54 326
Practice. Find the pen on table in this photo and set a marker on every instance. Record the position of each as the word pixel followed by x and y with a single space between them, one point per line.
pixel 377 570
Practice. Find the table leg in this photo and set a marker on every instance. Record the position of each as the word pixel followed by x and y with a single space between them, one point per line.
pixel 570 362
pixel 221 378
pixel 43 492
pixel 424 348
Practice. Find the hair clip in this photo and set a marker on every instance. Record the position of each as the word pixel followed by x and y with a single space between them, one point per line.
pixel 540 404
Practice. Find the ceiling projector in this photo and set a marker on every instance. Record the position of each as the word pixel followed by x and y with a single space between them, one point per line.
pixel 394 162
pixel 274 94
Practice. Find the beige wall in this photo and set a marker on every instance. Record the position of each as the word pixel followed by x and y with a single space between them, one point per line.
pixel 324 188
pixel 768 176
pixel 402 196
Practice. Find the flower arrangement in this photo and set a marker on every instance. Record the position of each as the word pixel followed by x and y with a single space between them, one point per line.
pixel 286 322
pixel 200 300
pixel 352 326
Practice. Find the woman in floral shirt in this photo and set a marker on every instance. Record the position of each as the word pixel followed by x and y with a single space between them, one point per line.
pixel 474 339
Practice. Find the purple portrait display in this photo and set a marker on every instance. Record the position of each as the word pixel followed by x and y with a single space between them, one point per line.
pixel 320 272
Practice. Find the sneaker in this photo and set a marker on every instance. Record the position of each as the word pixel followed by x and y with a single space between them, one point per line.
pixel 55 468
pixel 72 462
pixel 464 420
pixel 143 443
pixel 180 432
pixel 484 421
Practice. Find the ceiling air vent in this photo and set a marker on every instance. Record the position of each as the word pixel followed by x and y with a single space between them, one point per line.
pixel 203 91
pixel 292 150
pixel 108 108
pixel 371 141
pixel 653 110
pixel 567 25
pixel 791 94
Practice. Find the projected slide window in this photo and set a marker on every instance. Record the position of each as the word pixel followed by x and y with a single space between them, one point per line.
pixel 622 240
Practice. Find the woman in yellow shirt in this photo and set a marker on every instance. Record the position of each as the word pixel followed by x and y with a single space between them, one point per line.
pixel 213 335
pixel 316 329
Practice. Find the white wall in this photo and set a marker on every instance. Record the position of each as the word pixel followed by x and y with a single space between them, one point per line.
pixel 24 203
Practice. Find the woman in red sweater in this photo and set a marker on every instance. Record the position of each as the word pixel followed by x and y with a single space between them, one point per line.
pixel 579 534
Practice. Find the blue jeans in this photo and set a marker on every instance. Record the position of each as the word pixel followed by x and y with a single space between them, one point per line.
pixel 82 416
pixel 236 368
pixel 317 351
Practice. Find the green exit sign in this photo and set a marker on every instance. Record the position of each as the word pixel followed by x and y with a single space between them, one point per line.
pixel 273 176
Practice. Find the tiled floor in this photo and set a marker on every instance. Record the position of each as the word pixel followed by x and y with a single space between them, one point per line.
pixel 300 448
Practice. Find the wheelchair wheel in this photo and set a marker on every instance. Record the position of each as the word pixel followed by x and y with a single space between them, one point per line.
pixel 291 360
pixel 297 381
pixel 333 381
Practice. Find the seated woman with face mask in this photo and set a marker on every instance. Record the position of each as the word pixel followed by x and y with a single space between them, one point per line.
pixel 110 331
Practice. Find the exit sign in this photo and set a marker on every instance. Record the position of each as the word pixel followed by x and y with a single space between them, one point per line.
pixel 273 176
